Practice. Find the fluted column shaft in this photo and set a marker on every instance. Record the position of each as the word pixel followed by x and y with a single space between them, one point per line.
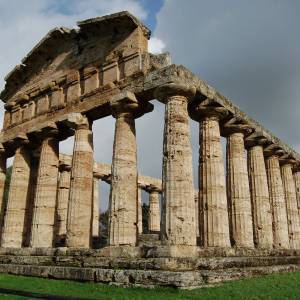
pixel 291 205
pixel 261 209
pixel 2 186
pixel 123 202
pixel 13 230
pixel 62 204
pixel 79 219
pixel 154 212
pixel 96 209
pixel 42 230
pixel 214 224
pixel 297 185
pixel 278 206
pixel 140 212
pixel 178 206
pixel 238 191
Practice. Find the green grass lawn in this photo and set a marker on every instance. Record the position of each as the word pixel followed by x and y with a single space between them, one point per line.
pixel 284 286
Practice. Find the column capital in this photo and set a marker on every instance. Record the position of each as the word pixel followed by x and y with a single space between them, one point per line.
pixel 77 121
pixel 236 125
pixel 153 189
pixel 126 104
pixel 255 139
pixel 2 149
pixel 207 109
pixel 97 175
pixel 287 160
pixel 64 167
pixel 273 150
pixel 48 131
pixel 296 167
pixel 163 92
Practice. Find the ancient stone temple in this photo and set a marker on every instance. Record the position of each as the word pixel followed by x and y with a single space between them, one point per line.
pixel 242 220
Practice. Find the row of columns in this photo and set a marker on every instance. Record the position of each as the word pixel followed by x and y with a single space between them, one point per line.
pixel 254 205
pixel 65 206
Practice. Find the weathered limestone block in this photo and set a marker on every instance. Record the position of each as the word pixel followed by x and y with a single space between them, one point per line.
pixel 123 197
pixel 178 205
pixel 81 187
pixel 73 86
pixel 7 119
pixel 29 111
pixel 261 209
pixel 62 204
pixel 16 115
pixel 96 209
pixel 238 191
pixel 131 64
pixel 91 79
pixel 73 92
pixel 291 205
pixel 297 185
pixel 42 231
pixel 110 73
pixel 13 230
pixel 154 211
pixel 139 211
pixel 42 105
pixel 2 185
pixel 214 223
pixel 278 206
pixel 57 98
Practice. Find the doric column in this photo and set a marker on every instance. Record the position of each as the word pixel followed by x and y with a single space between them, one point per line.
pixel 81 186
pixel 261 209
pixel 34 168
pixel 124 190
pixel 154 211
pixel 139 211
pixel 178 205
pixel 297 185
pixel 213 217
pixel 291 205
pixel 96 209
pixel 238 191
pixel 2 185
pixel 42 230
pixel 62 204
pixel 13 230
pixel 197 212
pixel 277 200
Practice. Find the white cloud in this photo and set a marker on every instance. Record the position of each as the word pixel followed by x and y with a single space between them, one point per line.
pixel 156 45
pixel 24 23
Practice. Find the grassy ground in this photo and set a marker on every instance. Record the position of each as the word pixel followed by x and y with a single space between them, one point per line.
pixel 284 286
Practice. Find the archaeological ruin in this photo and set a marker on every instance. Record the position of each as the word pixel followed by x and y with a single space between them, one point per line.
pixel 242 222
